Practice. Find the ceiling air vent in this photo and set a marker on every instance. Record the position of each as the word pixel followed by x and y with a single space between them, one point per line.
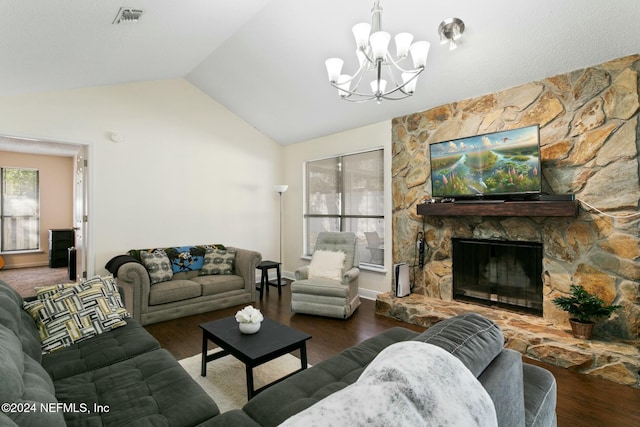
pixel 127 15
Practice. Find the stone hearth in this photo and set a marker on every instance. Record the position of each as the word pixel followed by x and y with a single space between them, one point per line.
pixel 534 337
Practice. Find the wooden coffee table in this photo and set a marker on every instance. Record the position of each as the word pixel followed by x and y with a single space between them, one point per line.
pixel 271 341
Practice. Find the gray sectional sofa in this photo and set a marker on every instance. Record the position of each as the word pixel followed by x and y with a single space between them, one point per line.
pixel 523 394
pixel 122 378
pixel 187 291
pixel 118 378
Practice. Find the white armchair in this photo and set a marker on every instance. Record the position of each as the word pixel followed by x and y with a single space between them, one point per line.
pixel 334 291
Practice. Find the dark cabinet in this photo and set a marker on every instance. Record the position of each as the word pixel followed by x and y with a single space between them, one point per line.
pixel 60 240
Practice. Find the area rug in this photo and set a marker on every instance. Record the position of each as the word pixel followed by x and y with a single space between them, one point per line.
pixel 226 381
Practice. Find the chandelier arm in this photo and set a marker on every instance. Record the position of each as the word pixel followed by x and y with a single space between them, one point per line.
pixel 397 65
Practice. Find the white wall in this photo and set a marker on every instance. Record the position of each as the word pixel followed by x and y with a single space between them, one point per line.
pixel 188 171
pixel 360 139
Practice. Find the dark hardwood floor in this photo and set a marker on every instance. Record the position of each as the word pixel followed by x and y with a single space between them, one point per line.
pixel 582 400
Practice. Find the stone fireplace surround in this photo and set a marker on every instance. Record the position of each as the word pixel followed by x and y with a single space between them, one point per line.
pixel 589 138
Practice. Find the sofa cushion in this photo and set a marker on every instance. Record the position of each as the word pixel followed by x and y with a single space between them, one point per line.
pixel 327 264
pixel 540 396
pixel 105 349
pixel 218 261
pixel 217 284
pixel 158 265
pixel 472 338
pixel 64 319
pixel 319 287
pixel 310 386
pixel 25 383
pixel 174 290
pixel 425 384
pixel 19 322
pixel 151 389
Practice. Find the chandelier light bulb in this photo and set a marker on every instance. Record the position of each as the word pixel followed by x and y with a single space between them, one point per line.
pixel 409 87
pixel 378 86
pixel 343 84
pixel 361 34
pixel 334 68
pixel 419 53
pixel 403 41
pixel 379 44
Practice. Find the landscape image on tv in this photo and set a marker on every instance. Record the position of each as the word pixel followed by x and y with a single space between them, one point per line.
pixel 499 163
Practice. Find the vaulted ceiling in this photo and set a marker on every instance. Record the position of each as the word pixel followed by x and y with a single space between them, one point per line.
pixel 264 59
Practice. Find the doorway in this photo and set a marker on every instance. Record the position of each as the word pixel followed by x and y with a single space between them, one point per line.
pixel 78 186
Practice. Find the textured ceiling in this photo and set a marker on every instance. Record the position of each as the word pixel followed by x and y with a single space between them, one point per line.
pixel 264 60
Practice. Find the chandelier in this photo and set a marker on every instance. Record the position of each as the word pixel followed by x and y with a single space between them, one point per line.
pixel 387 78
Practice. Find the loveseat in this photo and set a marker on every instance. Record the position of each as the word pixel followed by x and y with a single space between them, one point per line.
pixel 169 283
pixel 119 377
pixel 336 392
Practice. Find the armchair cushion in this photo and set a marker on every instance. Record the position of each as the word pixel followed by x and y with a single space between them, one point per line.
pixel 327 264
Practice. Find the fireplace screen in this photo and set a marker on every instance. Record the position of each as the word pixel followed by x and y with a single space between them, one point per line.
pixel 505 274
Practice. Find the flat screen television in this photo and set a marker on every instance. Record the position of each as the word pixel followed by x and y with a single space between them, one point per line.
pixel 498 165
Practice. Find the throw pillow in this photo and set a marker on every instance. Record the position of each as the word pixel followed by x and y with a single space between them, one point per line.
pixel 158 265
pixel 105 285
pixel 185 258
pixel 72 315
pixel 217 261
pixel 327 264
pixel 409 383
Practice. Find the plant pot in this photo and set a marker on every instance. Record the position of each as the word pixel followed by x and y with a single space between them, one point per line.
pixel 581 330
pixel 249 328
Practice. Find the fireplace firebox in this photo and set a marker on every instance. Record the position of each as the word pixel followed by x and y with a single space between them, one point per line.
pixel 501 273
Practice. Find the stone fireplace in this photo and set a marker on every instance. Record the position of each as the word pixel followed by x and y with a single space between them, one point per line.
pixel 589 136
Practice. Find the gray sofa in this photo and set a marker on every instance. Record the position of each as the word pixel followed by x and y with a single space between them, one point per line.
pixel 523 394
pixel 188 292
pixel 118 378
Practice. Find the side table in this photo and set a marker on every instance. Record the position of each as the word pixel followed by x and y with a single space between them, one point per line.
pixel 264 267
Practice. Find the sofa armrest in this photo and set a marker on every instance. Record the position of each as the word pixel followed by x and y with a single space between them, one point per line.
pixel 504 382
pixel 350 275
pixel 302 273
pixel 245 266
pixel 134 274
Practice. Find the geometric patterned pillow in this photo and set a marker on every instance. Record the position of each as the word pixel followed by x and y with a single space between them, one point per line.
pixel 217 261
pixel 106 285
pixel 65 318
pixel 158 265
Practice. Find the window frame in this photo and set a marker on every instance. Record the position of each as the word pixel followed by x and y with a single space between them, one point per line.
pixel 342 217
pixel 4 217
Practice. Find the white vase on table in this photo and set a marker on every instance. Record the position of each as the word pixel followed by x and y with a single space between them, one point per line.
pixel 249 328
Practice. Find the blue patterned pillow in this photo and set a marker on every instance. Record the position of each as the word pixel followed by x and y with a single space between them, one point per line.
pixel 185 258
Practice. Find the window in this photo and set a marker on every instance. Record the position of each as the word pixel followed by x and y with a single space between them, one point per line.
pixel 346 193
pixel 19 210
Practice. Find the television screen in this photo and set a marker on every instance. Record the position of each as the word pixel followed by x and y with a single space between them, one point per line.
pixel 497 164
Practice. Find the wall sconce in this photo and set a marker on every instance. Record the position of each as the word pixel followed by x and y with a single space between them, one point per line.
pixel 450 31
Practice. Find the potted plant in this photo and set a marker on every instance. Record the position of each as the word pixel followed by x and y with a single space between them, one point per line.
pixel 583 308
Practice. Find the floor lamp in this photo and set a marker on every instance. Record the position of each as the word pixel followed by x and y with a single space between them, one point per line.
pixel 281 189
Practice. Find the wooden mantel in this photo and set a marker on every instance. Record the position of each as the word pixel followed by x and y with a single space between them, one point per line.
pixel 568 208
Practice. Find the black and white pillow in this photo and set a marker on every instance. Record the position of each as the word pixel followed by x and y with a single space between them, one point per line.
pixel 218 261
pixel 158 265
